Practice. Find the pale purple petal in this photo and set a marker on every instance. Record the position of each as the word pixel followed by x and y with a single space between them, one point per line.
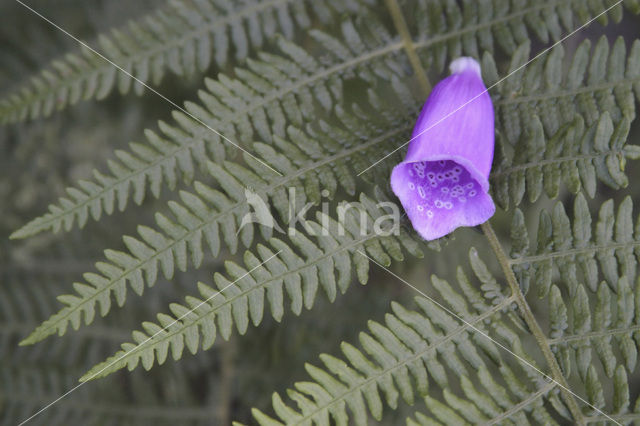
pixel 443 181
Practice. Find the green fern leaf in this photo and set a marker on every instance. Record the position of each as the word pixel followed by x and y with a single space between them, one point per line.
pixel 29 377
pixel 579 254
pixel 202 216
pixel 417 351
pixel 263 99
pixel 484 25
pixel 597 113
pixel 593 304
pixel 324 260
pixel 561 123
pixel 241 109
pixel 210 217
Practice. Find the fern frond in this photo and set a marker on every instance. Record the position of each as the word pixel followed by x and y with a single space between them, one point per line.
pixel 545 165
pixel 208 212
pixel 271 94
pixel 31 377
pixel 266 97
pixel 580 255
pixel 485 25
pixel 600 79
pixel 212 217
pixel 602 324
pixel 593 103
pixel 325 259
pixel 468 411
pixel 420 351
pixel 593 305
pixel 182 37
pixel 21 307
pixel 440 412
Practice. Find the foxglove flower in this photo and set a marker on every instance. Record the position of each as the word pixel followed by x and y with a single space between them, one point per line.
pixel 443 181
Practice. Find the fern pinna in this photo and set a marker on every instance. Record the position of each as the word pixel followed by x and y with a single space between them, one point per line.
pixel 315 92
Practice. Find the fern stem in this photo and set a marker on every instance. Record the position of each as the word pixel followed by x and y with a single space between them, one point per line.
pixel 507 414
pixel 401 25
pixel 593 335
pixel 568 93
pixel 532 323
pixel 573 252
pixel 556 160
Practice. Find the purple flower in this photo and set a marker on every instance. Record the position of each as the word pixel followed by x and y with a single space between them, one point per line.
pixel 443 181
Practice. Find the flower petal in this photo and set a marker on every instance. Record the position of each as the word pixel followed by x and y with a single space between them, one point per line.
pixel 440 196
pixel 443 182
pixel 457 121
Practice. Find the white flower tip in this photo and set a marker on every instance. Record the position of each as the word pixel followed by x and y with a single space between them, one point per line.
pixel 465 63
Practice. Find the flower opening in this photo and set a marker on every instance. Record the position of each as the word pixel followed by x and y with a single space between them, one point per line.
pixel 443 181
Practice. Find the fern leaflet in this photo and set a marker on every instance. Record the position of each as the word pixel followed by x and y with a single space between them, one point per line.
pixel 297 271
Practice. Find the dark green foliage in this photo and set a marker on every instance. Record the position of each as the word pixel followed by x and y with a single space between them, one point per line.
pixel 583 254
pixel 429 352
pixel 184 37
pixel 307 95
pixel 324 261
pixel 243 109
pixel 593 303
pixel 584 117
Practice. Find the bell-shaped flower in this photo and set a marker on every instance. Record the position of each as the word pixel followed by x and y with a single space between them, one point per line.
pixel 443 181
